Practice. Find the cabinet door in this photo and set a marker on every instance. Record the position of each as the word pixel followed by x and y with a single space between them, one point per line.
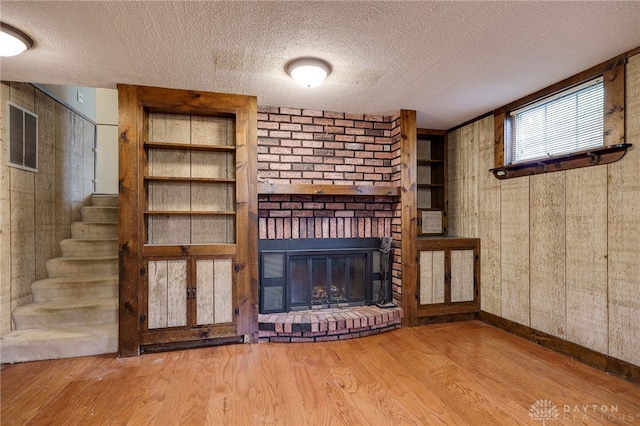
pixel 214 296
pixel 462 276
pixel 167 294
pixel 431 278
pixel 448 282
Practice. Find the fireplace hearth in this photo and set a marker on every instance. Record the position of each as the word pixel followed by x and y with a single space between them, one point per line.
pixel 303 274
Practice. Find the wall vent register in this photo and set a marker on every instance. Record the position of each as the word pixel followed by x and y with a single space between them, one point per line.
pixel 22 136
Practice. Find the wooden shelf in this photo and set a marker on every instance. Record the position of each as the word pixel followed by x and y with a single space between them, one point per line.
pixel 188 213
pixel 590 157
pixel 188 147
pixel 311 189
pixel 188 179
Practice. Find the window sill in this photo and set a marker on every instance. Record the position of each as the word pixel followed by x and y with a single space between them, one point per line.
pixel 592 157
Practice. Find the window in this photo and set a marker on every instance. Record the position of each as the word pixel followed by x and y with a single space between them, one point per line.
pixel 578 122
pixel 22 135
pixel 569 121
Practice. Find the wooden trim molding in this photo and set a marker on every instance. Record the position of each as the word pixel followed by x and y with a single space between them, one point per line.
pixel 592 157
pixel 609 364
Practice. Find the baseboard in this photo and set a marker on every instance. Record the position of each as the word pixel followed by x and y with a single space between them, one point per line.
pixel 437 319
pixel 614 366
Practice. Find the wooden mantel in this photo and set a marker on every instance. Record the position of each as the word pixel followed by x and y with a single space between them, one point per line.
pixel 313 189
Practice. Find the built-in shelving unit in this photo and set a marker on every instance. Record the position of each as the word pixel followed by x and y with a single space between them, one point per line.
pixel 187 191
pixel 431 185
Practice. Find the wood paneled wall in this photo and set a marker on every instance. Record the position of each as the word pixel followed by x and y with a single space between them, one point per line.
pixel 560 251
pixel 36 209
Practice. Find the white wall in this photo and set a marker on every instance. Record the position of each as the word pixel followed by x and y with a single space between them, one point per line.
pixel 107 141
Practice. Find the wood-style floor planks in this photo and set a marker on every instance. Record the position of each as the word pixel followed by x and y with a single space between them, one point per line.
pixel 465 373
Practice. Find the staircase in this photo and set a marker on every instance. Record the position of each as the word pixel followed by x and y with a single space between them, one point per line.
pixel 75 310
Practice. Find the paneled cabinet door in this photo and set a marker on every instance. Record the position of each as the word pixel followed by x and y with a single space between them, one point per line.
pixel 448 277
pixel 190 293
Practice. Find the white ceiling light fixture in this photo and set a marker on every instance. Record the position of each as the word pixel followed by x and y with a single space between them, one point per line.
pixel 13 41
pixel 308 72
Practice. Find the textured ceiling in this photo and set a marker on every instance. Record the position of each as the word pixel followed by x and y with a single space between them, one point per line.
pixel 450 61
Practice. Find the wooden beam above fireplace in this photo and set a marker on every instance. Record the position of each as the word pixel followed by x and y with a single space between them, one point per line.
pixel 313 189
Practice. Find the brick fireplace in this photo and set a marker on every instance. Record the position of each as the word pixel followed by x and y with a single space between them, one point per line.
pixel 302 151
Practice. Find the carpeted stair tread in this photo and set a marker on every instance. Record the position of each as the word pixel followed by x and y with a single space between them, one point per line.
pixel 75 247
pixel 94 230
pixel 66 312
pixel 99 214
pixel 83 286
pixel 85 265
pixel 59 342
pixel 104 200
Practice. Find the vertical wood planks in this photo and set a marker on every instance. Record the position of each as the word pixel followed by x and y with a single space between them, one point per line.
pixel 45 183
pixel 167 297
pixel 462 272
pixel 223 303
pixel 547 253
pixel 205 294
pixel 464 151
pixel 438 276
pixel 157 295
pixel 586 256
pixel 176 293
pixel 489 220
pixel 624 233
pixel 514 255
pixel 426 277
pixel 454 221
pixel 431 277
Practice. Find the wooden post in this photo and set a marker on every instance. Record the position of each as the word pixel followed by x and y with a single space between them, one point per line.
pixel 409 215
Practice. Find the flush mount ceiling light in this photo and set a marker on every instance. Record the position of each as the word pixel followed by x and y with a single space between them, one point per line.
pixel 308 72
pixel 13 41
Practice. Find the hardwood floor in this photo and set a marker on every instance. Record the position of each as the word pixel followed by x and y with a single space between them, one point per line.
pixel 465 373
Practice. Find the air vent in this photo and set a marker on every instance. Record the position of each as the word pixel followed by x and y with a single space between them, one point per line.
pixel 22 132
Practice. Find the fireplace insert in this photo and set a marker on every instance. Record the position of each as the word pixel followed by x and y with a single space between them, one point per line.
pixel 322 273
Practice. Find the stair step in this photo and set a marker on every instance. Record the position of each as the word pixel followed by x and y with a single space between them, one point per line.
pixel 58 342
pixel 94 230
pixel 74 288
pixel 66 312
pixel 99 214
pixel 75 266
pixel 104 200
pixel 76 247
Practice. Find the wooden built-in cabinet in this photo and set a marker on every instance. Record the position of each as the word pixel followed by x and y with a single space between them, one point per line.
pixel 440 273
pixel 188 204
pixel 448 277
pixel 431 196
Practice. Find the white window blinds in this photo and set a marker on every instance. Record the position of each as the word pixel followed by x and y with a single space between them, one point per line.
pixel 569 121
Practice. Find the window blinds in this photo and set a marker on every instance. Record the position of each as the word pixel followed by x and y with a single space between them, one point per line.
pixel 569 121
